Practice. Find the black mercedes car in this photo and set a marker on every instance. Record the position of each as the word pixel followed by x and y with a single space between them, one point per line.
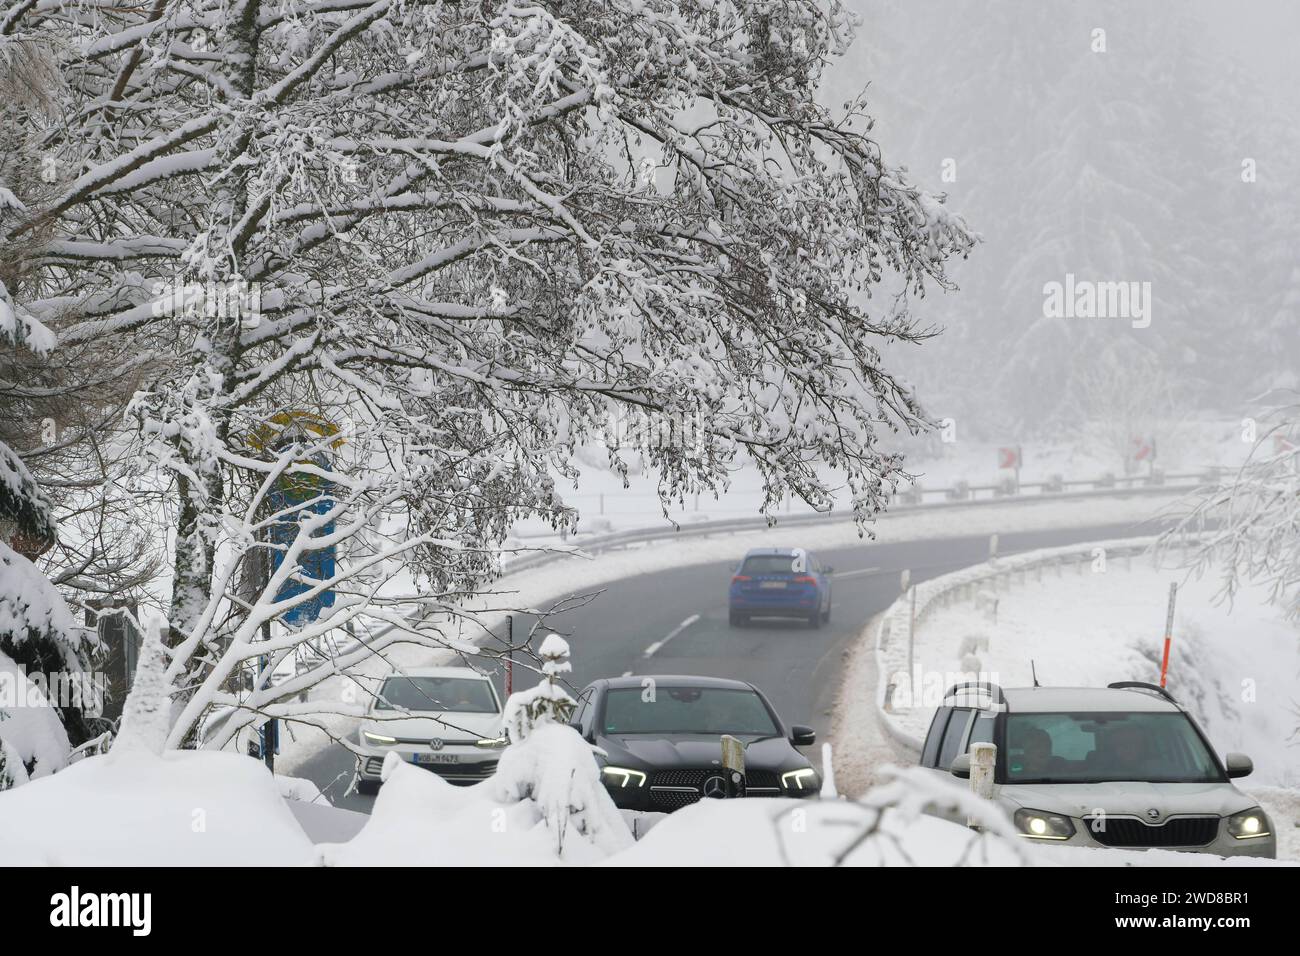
pixel 662 741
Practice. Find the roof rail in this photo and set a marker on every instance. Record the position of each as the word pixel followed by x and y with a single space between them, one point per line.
pixel 992 689
pixel 1142 685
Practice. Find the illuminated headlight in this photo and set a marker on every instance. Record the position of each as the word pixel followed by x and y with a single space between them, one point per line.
pixel 1250 823
pixel 1038 825
pixel 492 743
pixel 377 740
pixel 805 779
pixel 622 778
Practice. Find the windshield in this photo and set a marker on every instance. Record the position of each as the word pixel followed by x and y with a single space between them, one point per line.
pixel 466 695
pixel 1104 747
pixel 774 564
pixel 687 710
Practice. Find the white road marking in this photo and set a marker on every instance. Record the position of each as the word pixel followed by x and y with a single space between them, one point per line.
pixel 852 574
pixel 657 645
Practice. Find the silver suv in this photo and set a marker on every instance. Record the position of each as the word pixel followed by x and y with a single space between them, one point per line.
pixel 1121 767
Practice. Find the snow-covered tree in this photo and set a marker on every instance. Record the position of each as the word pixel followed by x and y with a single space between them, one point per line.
pixel 38 636
pixel 546 703
pixel 549 766
pixel 465 236
pixel 1247 528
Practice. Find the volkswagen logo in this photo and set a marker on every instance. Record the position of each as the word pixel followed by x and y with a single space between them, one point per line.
pixel 715 787
pixel 435 743
pixel 1153 813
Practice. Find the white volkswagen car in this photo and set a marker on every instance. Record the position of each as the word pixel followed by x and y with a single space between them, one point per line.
pixel 445 719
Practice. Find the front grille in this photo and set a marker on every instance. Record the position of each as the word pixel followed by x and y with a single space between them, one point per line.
pixel 763 779
pixel 684 787
pixel 1179 831
pixel 666 801
pixel 465 771
pixel 682 778
pixel 374 764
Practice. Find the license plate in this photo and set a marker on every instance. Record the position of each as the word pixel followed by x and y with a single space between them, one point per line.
pixel 772 584
pixel 436 758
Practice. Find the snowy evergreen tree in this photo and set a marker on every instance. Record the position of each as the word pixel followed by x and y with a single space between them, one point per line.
pixel 38 635
pixel 546 703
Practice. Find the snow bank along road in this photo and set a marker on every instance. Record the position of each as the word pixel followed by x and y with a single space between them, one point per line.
pixel 674 621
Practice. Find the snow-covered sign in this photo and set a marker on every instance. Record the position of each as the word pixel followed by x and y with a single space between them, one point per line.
pixel 1009 457
pixel 303 498
pixel 298 496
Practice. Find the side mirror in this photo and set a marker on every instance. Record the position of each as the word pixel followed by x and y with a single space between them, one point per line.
pixel 802 736
pixel 828 570
pixel 1239 765
pixel 961 766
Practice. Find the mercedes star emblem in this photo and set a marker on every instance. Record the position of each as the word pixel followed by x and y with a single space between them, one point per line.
pixel 715 787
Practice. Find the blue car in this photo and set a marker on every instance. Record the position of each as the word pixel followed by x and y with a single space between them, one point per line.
pixel 780 582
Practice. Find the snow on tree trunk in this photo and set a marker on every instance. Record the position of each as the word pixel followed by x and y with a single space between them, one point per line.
pixel 147 714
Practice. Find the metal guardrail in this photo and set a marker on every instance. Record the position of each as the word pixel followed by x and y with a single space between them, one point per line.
pixel 960 496
pixel 896 626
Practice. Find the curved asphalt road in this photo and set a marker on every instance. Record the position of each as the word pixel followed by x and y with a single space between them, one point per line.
pixel 675 622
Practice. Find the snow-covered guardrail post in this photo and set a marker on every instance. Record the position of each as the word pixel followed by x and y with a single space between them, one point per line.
pixel 983 756
pixel 911 634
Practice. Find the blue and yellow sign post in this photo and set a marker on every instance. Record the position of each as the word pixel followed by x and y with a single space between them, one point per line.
pixel 297 497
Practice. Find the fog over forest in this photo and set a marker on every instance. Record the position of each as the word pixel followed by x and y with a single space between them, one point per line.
pixel 1150 145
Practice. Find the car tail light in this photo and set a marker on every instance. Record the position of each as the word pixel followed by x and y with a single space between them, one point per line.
pixel 805 579
pixel 740 577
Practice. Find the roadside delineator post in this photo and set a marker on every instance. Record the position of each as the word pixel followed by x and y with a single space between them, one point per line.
pixel 1169 632
pixel 983 757
pixel 733 765
pixel 911 635
pixel 510 654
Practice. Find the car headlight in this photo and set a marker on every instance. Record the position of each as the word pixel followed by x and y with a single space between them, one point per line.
pixel 622 777
pixel 1249 823
pixel 492 743
pixel 377 740
pixel 1037 825
pixel 803 779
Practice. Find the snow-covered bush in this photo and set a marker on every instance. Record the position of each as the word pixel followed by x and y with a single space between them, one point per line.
pixel 38 639
pixel 554 774
pixel 550 768
pixel 33 741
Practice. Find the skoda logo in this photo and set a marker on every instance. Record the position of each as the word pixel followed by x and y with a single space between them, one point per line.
pixel 435 743
pixel 715 787
pixel 1153 813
